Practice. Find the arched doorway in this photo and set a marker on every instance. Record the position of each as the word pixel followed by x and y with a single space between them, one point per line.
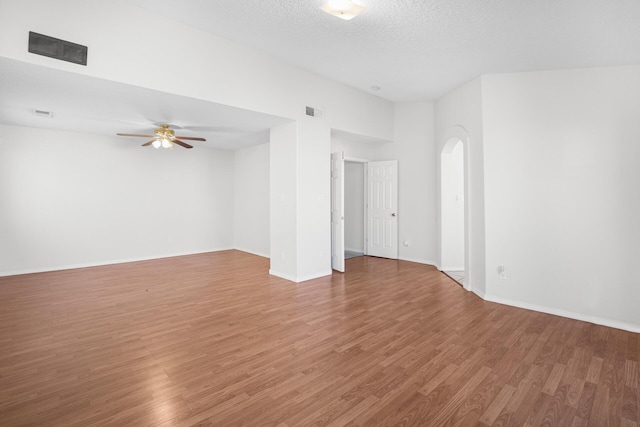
pixel 452 210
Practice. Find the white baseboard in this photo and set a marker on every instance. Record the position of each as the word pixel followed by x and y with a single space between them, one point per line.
pixel 418 260
pixel 282 275
pixel 354 250
pixel 314 276
pixel 478 292
pixel 451 268
pixel 297 279
pixel 263 255
pixel 563 313
pixel 102 263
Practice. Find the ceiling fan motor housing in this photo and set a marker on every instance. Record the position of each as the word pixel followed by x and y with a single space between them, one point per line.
pixel 165 132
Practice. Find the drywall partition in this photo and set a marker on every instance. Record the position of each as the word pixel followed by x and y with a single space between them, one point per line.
pixel 561 188
pixel 459 115
pixel 251 200
pixel 299 198
pixel 314 199
pixel 72 200
pixel 413 148
pixel 127 44
pixel 283 201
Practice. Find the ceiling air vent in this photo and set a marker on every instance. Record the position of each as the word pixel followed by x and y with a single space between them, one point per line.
pixel 56 48
pixel 43 113
pixel 313 112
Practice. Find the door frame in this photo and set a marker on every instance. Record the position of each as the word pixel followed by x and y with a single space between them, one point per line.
pixel 337 211
pixel 365 190
pixel 364 201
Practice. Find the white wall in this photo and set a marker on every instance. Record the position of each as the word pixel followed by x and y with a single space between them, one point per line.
pixel 283 201
pixel 562 204
pixel 219 71
pixel 251 200
pixel 354 206
pixel 314 196
pixel 459 115
pixel 413 147
pixel 124 44
pixel 299 200
pixel 70 199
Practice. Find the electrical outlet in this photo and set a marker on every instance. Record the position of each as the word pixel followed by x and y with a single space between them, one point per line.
pixel 502 272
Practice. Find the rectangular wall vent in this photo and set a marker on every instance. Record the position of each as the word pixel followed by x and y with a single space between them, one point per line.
pixel 43 113
pixel 313 112
pixel 58 49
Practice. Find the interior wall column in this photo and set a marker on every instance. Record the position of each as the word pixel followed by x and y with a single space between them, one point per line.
pixel 300 226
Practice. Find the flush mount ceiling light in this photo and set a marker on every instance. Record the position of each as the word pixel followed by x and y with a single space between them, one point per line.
pixel 343 9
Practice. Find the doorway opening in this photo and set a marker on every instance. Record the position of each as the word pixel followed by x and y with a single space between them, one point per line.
pixel 452 213
pixel 354 209
pixel 365 206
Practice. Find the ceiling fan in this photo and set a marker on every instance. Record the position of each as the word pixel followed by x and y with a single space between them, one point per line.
pixel 164 137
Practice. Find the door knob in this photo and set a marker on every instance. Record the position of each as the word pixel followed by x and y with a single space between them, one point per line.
pixel 393 214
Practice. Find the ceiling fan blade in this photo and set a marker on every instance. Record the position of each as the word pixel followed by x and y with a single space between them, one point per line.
pixel 135 134
pixel 182 144
pixel 189 138
pixel 146 144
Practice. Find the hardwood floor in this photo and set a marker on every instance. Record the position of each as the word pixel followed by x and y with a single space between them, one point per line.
pixel 212 339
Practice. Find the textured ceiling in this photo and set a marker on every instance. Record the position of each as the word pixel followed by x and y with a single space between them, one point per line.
pixel 421 49
pixel 412 49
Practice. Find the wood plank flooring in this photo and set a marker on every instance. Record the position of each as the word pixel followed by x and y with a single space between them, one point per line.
pixel 212 339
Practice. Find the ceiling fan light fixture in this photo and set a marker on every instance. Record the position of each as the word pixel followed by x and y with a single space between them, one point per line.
pixel 343 9
pixel 164 137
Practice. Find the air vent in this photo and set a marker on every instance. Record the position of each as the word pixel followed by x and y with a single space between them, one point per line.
pixel 58 49
pixel 43 113
pixel 313 112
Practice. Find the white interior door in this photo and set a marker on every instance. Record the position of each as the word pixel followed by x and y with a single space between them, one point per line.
pixel 382 209
pixel 337 211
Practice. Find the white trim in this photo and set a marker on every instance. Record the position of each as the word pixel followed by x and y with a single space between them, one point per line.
pixel 476 291
pixel 314 276
pixel 418 260
pixel 451 269
pixel 300 279
pixel 354 250
pixel 282 275
pixel 253 252
pixel 102 263
pixel 354 159
pixel 568 314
